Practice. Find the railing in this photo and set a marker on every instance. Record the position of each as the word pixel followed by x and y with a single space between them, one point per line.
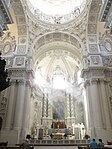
pixel 60 142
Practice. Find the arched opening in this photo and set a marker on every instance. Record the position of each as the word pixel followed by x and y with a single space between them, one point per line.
pixel 57 62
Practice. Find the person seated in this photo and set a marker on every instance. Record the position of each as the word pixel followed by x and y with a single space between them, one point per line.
pixel 93 143
pixel 25 144
pixel 4 143
pixel 100 143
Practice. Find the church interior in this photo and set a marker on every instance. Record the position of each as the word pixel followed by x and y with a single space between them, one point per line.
pixel 58 56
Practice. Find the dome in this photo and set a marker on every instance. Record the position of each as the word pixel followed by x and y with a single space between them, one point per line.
pixel 56 11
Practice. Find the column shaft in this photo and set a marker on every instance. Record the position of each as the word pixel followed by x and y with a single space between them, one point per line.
pixel 88 106
pixel 11 104
pixel 96 107
pixel 26 111
pixel 105 105
pixel 19 105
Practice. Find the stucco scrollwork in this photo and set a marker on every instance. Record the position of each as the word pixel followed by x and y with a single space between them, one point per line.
pixel 92 39
pixel 20 19
pixel 3 103
pixel 92 29
pixel 22 40
pixel 87 83
pixel 97 73
pixel 9 62
pixel 17 74
pixel 93 48
pixel 108 45
pixel 86 62
pixel 7 47
pixel 95 7
pixel 3 106
pixel 22 30
pixel 107 60
pixel 95 60
pixel 93 18
pixel 105 42
pixel 19 61
pixel 7 43
pixel 94 81
pixel 21 49
pixel 18 10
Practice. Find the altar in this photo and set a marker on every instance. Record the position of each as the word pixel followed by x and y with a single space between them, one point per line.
pixel 58 136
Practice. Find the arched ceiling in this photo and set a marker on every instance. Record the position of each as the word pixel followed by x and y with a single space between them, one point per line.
pixel 58 50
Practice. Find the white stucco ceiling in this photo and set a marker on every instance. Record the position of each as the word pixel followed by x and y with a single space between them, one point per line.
pixel 56 7
pixel 56 11
pixel 58 54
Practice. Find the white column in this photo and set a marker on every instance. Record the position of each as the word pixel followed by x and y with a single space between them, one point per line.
pixel 19 105
pixel 105 106
pixel 96 107
pixel 26 110
pixel 88 107
pixel 11 104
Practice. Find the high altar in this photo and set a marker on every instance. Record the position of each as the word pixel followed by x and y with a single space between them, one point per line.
pixel 58 126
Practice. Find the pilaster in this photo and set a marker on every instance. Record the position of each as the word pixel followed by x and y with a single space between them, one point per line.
pixel 97 115
pixel 11 104
pixel 88 106
pixel 19 106
pixel 26 110
pixel 104 104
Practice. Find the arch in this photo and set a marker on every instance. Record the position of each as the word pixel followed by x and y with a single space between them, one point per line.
pixel 19 17
pixel 57 36
pixel 92 26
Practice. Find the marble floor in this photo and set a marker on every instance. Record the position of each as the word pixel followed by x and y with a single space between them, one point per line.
pixel 55 147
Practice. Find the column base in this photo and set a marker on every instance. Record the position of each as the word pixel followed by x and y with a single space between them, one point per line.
pixel 12 136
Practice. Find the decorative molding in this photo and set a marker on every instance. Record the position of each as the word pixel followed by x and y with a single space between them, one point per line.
pixel 20 19
pixel 92 29
pixel 93 48
pixel 22 30
pixel 22 40
pixel 7 44
pixel 19 61
pixel 18 9
pixel 17 74
pixel 95 60
pixel 94 81
pixel 21 50
pixel 3 107
pixel 87 83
